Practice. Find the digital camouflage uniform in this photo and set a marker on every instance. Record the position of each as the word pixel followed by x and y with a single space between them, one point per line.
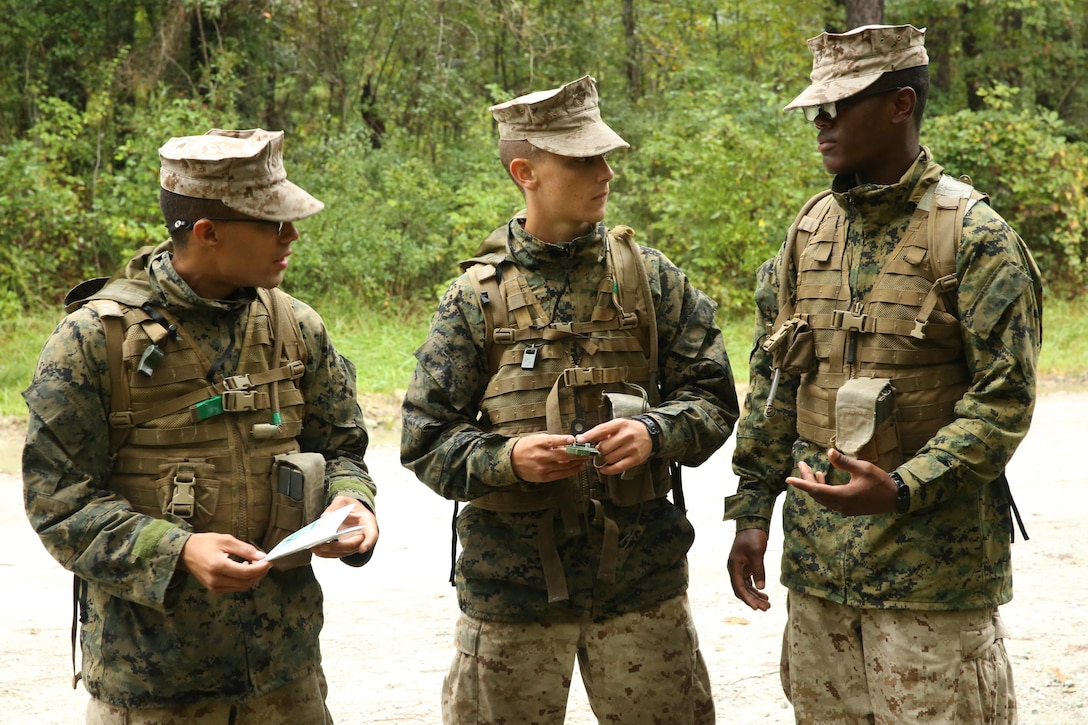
pixel 154 637
pixel 951 551
pixel 499 575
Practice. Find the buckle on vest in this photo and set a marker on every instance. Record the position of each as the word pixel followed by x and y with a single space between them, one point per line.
pixel 503 335
pixel 121 419
pixel 240 401
pixel 849 320
pixel 183 503
pixel 237 382
pixel 298 369
pixel 576 377
pixel 628 319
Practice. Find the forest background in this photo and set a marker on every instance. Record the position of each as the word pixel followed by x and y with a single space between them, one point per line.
pixel 384 104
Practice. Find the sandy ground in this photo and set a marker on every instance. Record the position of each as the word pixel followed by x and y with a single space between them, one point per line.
pixel 387 641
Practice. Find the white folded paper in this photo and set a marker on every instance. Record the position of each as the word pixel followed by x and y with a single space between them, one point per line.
pixel 324 529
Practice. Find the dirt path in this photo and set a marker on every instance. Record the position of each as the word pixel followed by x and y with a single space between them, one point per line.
pixel 389 625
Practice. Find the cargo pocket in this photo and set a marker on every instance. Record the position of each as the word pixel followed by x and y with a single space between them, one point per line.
pixel 984 692
pixel 461 689
pixel 188 492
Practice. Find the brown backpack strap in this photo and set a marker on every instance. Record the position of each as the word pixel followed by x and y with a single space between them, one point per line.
pixel 804 224
pixel 113 325
pixel 947 203
pixel 629 269
pixel 483 278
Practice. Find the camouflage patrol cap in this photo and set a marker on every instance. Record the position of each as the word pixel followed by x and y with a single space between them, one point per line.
pixel 242 169
pixel 565 120
pixel 846 63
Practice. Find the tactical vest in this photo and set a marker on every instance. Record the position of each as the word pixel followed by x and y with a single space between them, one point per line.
pixel 195 451
pixel 905 330
pixel 534 386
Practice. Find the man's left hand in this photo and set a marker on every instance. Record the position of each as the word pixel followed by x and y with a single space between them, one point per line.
pixel 870 489
pixel 356 542
pixel 622 443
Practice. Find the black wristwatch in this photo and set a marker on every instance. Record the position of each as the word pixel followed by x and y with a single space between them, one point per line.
pixel 654 430
pixel 902 499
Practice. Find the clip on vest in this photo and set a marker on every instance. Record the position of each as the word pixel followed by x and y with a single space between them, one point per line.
pixel 265 431
pixel 150 360
pixel 183 502
pixel 207 408
pixel 528 358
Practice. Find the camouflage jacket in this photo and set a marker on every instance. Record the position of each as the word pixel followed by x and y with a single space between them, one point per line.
pixel 152 635
pixel 499 574
pixel 951 550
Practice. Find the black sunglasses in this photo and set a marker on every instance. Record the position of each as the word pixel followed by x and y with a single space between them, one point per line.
pixel 831 110
pixel 183 225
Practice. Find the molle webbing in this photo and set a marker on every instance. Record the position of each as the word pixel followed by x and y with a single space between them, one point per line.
pixel 191 449
pixel 238 392
pixel 618 345
pixel 906 327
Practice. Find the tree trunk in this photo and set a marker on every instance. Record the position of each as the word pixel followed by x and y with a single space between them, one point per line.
pixel 633 60
pixel 864 12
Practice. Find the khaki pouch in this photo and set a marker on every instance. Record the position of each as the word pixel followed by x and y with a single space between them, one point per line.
pixel 298 498
pixel 865 422
pixel 625 405
pixel 792 347
pixel 188 491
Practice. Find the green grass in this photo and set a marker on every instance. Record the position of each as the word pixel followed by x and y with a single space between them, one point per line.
pixel 22 341
pixel 381 341
pixel 1065 341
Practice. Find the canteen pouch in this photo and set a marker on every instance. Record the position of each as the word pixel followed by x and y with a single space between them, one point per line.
pixel 625 405
pixel 865 422
pixel 298 498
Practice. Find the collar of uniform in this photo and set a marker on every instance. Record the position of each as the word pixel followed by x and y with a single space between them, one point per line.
pixel 529 252
pixel 881 203
pixel 173 292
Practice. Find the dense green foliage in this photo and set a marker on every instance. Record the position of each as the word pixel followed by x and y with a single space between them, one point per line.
pixel 385 108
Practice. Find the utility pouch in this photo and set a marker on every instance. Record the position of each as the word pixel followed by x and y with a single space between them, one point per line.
pixel 298 498
pixel 865 422
pixel 792 347
pixel 187 491
pixel 626 405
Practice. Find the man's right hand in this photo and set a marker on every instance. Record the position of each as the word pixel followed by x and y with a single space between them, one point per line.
pixel 746 571
pixel 208 557
pixel 543 458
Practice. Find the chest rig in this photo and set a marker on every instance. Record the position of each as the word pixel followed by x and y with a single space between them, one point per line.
pixel 905 330
pixel 188 443
pixel 565 377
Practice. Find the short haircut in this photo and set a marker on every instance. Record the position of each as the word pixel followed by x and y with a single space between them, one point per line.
pixel 916 78
pixel 176 207
pixel 510 150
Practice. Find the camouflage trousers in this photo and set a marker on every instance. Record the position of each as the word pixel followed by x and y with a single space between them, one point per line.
pixel 643 667
pixel 846 665
pixel 301 702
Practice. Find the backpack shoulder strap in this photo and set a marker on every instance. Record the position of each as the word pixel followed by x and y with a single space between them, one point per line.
pixel 947 202
pixel 113 316
pixel 631 277
pixel 484 281
pixel 804 224
pixel 284 324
